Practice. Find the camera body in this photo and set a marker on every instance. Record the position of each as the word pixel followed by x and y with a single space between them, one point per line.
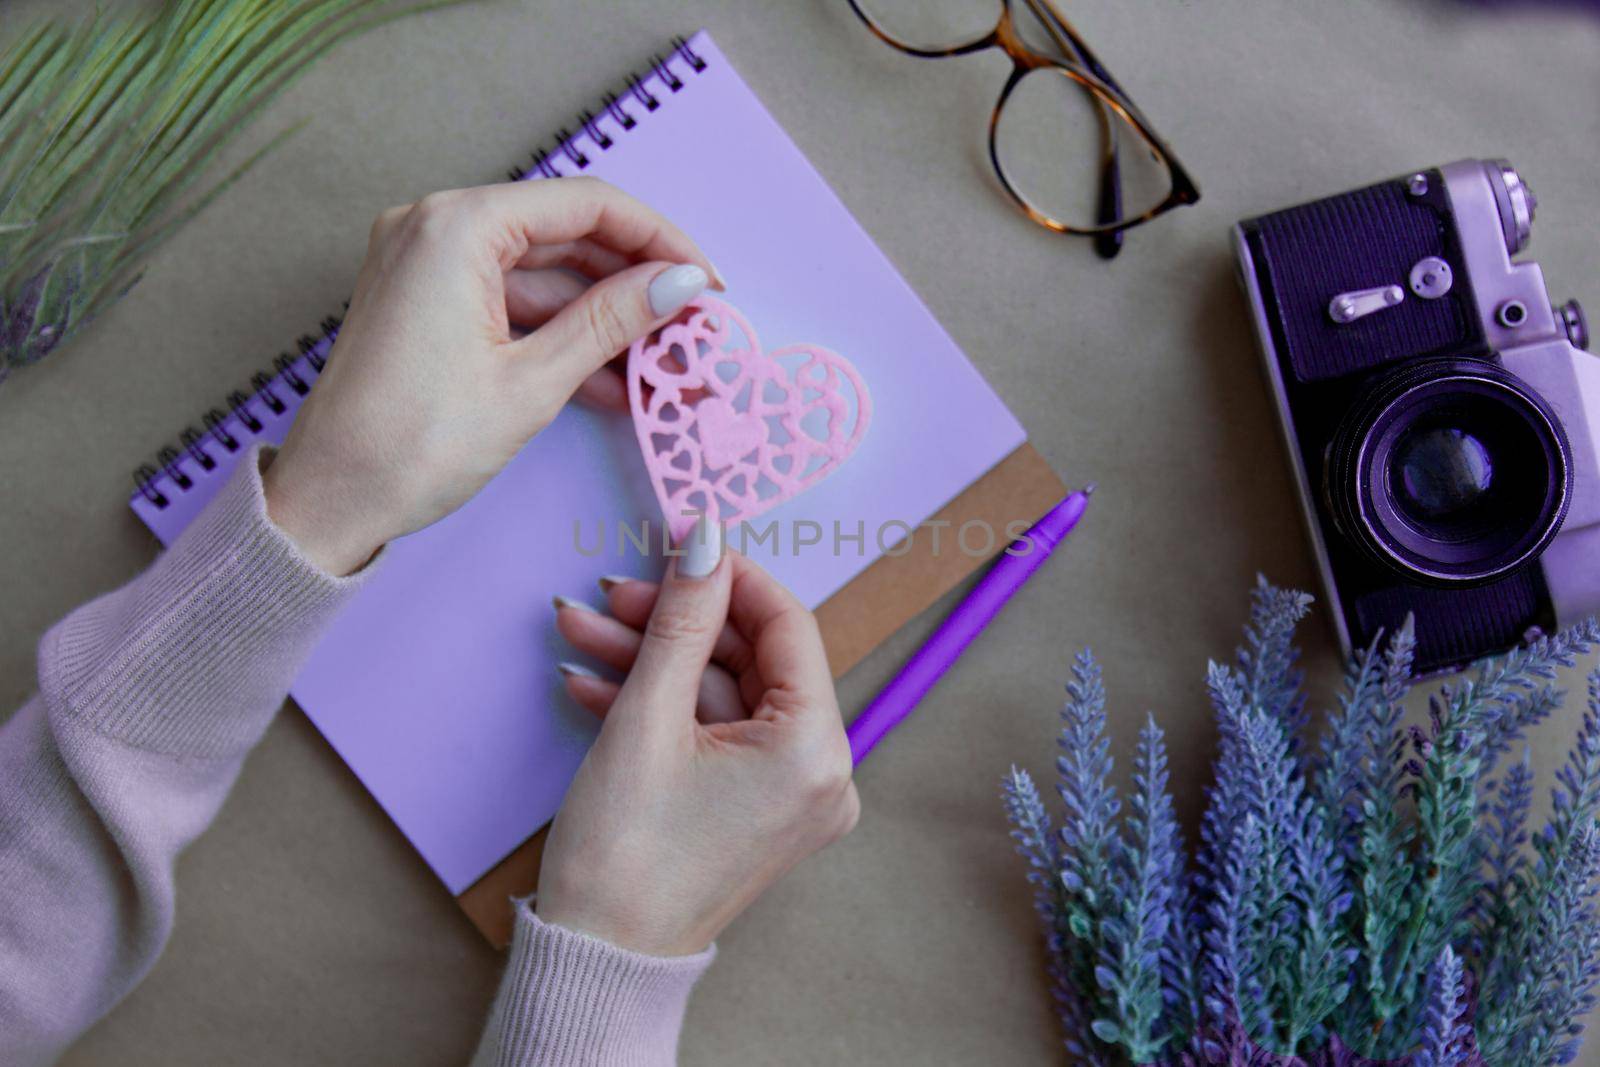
pixel 1442 423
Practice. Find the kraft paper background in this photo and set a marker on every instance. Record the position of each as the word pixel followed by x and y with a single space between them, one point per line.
pixel 308 930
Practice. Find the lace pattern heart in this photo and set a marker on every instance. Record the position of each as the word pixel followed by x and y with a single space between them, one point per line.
pixel 731 431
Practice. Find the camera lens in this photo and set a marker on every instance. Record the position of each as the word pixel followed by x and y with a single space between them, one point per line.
pixel 1450 472
pixel 1440 474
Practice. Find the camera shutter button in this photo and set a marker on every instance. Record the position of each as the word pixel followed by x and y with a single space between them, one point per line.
pixel 1431 278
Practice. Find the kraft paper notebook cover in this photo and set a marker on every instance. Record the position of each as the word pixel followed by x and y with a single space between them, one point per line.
pixel 437 686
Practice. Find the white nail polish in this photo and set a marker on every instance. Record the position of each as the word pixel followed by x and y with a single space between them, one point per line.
pixel 575 670
pixel 702 549
pixel 609 582
pixel 567 602
pixel 675 287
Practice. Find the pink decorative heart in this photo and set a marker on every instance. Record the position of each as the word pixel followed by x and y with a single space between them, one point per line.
pixel 729 430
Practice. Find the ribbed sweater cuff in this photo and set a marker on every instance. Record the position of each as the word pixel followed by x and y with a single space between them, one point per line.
pixel 195 655
pixel 569 999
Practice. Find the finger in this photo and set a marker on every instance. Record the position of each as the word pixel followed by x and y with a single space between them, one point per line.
pixel 559 210
pixel 789 655
pixel 719 700
pixel 605 389
pixel 607 640
pixel 607 318
pixel 386 221
pixel 617 646
pixel 379 250
pixel 587 257
pixel 533 297
pixel 591 692
pixel 683 628
pixel 631 601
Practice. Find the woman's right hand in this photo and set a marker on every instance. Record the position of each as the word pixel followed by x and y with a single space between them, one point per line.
pixel 477 315
pixel 676 824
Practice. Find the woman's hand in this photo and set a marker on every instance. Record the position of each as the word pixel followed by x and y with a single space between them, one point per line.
pixel 434 383
pixel 677 823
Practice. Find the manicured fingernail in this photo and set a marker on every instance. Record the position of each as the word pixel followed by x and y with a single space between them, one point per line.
pixel 718 279
pixel 575 670
pixel 675 287
pixel 702 549
pixel 567 602
pixel 609 582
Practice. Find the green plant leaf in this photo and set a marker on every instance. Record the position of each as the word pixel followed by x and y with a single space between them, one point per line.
pixel 109 129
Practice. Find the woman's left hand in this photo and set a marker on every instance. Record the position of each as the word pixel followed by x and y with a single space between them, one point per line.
pixel 721 762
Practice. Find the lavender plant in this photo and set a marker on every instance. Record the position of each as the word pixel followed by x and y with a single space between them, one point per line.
pixel 107 124
pixel 1372 893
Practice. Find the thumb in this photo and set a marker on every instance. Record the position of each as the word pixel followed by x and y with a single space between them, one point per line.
pixel 689 615
pixel 609 316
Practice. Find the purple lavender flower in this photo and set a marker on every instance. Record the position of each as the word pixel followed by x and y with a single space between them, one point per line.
pixel 1231 988
pixel 1577 800
pixel 1446 1036
pixel 1333 887
pixel 1036 842
pixel 1347 747
pixel 1136 924
pixel 1088 834
pixel 1505 841
pixel 1268 656
pixel 1542 960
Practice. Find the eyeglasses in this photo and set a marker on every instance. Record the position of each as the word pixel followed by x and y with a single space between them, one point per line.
pixel 1047 108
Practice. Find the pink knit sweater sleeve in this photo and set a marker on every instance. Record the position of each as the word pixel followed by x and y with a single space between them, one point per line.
pixel 149 700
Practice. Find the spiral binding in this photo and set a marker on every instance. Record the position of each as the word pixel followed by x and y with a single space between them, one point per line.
pixel 273 386
pixel 268 387
pixel 566 150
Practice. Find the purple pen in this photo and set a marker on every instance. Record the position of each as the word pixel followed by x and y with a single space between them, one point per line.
pixel 1009 573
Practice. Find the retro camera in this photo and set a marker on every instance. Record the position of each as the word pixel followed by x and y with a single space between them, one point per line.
pixel 1440 416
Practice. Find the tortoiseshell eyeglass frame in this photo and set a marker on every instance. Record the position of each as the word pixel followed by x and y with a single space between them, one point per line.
pixel 1093 77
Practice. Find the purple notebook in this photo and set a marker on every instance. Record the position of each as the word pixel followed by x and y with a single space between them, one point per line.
pixel 438 685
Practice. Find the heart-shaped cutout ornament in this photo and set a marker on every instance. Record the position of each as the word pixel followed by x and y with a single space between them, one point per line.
pixel 730 431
